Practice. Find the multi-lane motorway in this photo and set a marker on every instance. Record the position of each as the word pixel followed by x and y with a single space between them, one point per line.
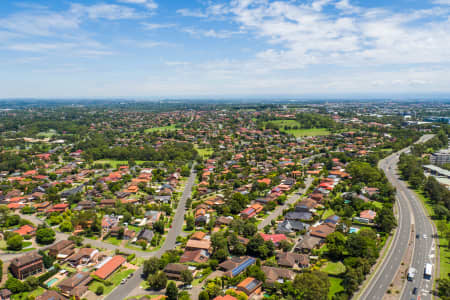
pixel 411 216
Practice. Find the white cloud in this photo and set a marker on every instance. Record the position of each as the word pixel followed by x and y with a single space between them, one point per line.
pixel 442 2
pixel 185 12
pixel 153 26
pixel 211 33
pixel 150 4
pixel 104 11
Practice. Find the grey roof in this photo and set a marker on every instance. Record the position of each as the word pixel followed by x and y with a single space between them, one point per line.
pixel 295 215
pixel 288 226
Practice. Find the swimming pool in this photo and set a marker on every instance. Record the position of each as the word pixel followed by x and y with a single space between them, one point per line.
pixel 353 230
pixel 51 282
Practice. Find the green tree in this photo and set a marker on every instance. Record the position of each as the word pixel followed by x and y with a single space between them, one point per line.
pixel 158 226
pixel 312 286
pixel 31 283
pixel 213 290
pixel 186 276
pixel 203 296
pixel 444 288
pixel 14 242
pixel 66 226
pixel 172 291
pixel 336 245
pixel 151 266
pixel 190 223
pixel 157 281
pixel 45 236
pixel 15 285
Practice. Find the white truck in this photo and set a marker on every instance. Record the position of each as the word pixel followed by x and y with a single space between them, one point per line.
pixel 411 273
pixel 428 272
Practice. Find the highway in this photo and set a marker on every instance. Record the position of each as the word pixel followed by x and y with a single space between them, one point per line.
pixel 411 216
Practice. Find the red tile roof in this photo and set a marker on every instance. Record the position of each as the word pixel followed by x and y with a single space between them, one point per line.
pixel 109 268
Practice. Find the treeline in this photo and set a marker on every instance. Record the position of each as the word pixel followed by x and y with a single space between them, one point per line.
pixel 172 151
pixel 314 120
pixel 411 169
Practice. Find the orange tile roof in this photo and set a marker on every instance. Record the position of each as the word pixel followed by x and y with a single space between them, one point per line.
pixel 108 268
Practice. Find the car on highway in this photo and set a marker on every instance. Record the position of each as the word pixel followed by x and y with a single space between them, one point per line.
pixel 414 291
pixel 417 236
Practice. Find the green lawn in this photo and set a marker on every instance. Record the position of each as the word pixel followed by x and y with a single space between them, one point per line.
pixel 28 295
pixel 115 279
pixel 299 132
pixel 113 240
pixel 327 213
pixel 333 268
pixel 162 128
pixel 48 134
pixel 377 204
pixel 115 163
pixel 444 251
pixel 335 287
pixel 204 152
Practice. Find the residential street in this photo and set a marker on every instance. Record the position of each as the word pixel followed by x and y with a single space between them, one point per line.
pixel 279 209
pixel 124 290
pixel 410 213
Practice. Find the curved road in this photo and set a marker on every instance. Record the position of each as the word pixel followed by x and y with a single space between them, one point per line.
pixel 410 212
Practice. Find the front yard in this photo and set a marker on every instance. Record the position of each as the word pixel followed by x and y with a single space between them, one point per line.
pixel 116 278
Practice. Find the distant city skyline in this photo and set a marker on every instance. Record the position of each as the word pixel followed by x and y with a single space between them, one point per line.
pixel 241 48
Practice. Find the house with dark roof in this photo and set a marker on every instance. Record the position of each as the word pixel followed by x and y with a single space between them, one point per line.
pixel 290 226
pixel 299 216
pixel 279 275
pixel 236 265
pixel 51 295
pixel 62 249
pixel 292 260
pixel 27 265
pixel 76 285
pixel 173 271
pixel 145 234
pixel 84 256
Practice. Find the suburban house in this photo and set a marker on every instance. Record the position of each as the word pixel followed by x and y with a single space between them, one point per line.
pixel 26 230
pixel 173 271
pixel 110 267
pixel 290 226
pixel 236 265
pixel 84 256
pixel 51 295
pixel 250 286
pixel 292 260
pixel 5 294
pixel 62 249
pixel 251 211
pixel 198 256
pixel 279 275
pixel 27 265
pixel 367 216
pixel 76 285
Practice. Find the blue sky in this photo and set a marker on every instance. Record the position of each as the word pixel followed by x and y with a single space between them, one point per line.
pixel 237 48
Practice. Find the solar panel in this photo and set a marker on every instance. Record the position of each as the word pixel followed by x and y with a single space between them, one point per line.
pixel 251 285
pixel 243 266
